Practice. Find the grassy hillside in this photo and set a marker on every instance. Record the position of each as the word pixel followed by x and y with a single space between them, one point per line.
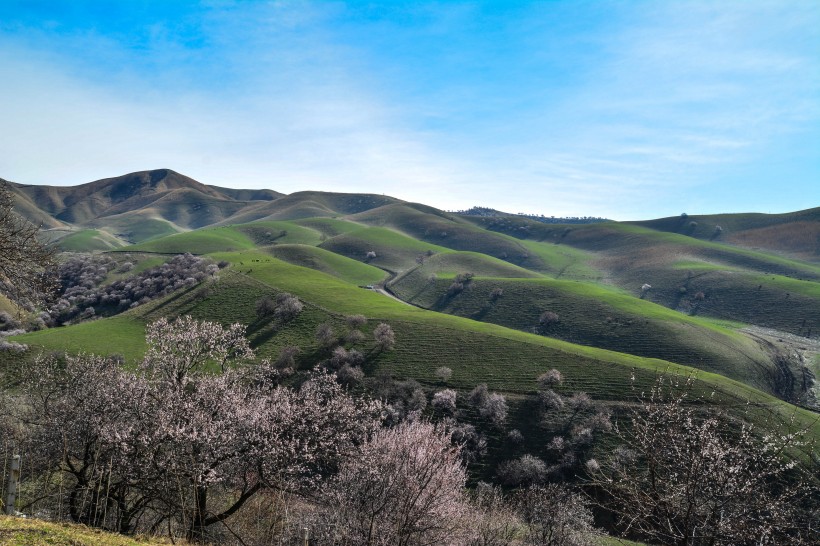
pixel 687 274
pixel 310 204
pixel 35 532
pixel 795 233
pixel 89 240
pixel 318 259
pixel 601 317
pixel 395 252
pixel 507 360
pixel 202 241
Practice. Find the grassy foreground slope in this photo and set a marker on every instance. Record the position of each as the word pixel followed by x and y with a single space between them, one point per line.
pixel 34 532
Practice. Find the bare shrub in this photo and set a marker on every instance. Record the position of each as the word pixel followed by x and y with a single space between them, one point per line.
pixel 350 376
pixel 550 379
pixel 493 522
pixel 265 306
pixel 548 318
pixel 325 335
pixel 443 373
pixel 526 470
pixel 554 515
pixel 684 477
pixel 27 266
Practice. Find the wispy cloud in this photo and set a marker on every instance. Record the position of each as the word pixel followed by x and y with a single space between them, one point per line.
pixel 623 110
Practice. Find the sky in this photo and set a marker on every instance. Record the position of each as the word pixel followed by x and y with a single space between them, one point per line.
pixel 620 109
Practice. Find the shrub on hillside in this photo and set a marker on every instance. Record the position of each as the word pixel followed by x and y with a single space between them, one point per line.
pixel 384 336
pixel 443 373
pixel 444 402
pixel 288 307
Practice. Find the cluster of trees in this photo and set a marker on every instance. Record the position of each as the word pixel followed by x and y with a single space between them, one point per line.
pixel 284 307
pixel 82 294
pixel 487 212
pixel 173 444
pixel 459 283
pixel 201 435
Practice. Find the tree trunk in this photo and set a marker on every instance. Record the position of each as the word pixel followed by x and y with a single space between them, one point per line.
pixel 196 532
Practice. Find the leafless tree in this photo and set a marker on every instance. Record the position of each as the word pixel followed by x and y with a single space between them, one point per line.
pixel 554 516
pixel 265 306
pixel 191 445
pixel 444 402
pixel 325 335
pixel 27 265
pixel 493 522
pixel 354 325
pixel 686 477
pixel 550 379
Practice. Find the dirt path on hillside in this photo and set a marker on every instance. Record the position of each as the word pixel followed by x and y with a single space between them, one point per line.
pixel 384 292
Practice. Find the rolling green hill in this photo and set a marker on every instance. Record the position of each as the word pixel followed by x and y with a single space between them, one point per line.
pixel 705 292
pixel 505 359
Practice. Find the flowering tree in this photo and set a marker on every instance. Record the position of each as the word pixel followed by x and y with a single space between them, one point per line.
pixel 288 307
pixel 384 336
pixel 404 487
pixel 554 516
pixel 444 401
pixel 168 439
pixel 684 478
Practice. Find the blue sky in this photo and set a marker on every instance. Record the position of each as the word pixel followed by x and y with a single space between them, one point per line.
pixel 627 110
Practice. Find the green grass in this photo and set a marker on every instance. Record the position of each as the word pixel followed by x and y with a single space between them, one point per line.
pixel 507 360
pixel 276 232
pixel 329 227
pixel 563 261
pixel 148 229
pixel 638 237
pixel 347 269
pixel 790 285
pixel 698 266
pixel 451 263
pixel 116 335
pixel 203 241
pixel 600 317
pixel 89 240
pixel 35 532
pixel 394 251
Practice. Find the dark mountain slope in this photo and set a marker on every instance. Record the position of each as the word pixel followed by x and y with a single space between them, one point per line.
pixel 794 234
